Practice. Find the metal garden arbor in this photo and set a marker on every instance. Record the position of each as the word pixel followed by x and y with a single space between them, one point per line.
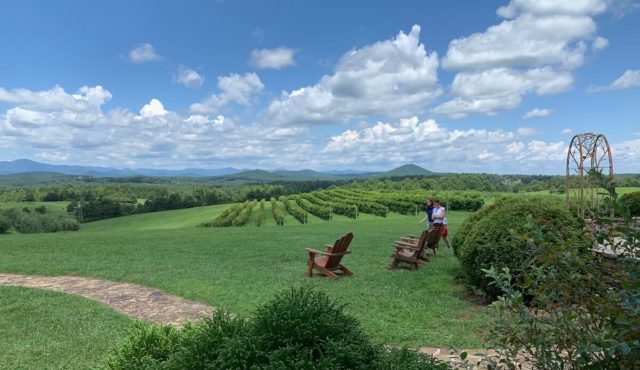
pixel 587 151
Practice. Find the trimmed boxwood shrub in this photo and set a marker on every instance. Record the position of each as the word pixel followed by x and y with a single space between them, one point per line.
pixel 299 329
pixel 500 236
pixel 632 200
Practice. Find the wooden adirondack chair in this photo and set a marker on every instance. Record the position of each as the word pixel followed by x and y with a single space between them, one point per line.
pixel 411 251
pixel 329 261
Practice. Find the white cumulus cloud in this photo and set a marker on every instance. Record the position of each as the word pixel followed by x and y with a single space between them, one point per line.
pixel 153 109
pixel 599 43
pixel 234 88
pixel 630 78
pixel 533 50
pixel 143 54
pixel 390 77
pixel 277 58
pixel 537 112
pixel 87 98
pixel 189 77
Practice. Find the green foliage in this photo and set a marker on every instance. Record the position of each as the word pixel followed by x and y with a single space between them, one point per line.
pixel 298 329
pixel 492 238
pixel 228 217
pixel 277 212
pixel 5 224
pixel 338 208
pixel 316 210
pixel 147 347
pixel 406 359
pixel 28 223
pixel 305 319
pixel 294 209
pixel 216 342
pixel 41 210
pixel 95 210
pixel 363 204
pixel 243 216
pixel 260 214
pixel 632 200
pixel 584 308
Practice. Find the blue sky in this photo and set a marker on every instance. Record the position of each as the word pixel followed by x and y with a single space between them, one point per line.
pixel 457 86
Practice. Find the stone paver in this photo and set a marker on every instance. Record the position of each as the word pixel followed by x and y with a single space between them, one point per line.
pixel 137 301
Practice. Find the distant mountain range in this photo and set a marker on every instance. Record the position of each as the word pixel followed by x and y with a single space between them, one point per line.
pixel 21 166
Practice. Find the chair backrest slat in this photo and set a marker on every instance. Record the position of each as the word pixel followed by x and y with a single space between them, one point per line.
pixel 340 246
pixel 422 243
pixel 434 235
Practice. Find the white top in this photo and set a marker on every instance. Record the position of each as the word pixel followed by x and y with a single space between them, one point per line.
pixel 437 212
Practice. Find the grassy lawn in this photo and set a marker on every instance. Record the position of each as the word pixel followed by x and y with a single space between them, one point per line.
pixel 240 268
pixel 48 330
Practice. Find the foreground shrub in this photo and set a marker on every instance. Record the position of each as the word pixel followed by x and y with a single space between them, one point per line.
pixel 632 200
pixel 146 347
pixel 298 329
pixel 492 238
pixel 306 324
pixel 213 343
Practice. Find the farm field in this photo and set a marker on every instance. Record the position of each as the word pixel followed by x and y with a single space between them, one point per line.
pixel 237 268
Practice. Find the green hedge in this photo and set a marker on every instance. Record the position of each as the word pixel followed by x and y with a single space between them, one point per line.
pixel 632 200
pixel 500 236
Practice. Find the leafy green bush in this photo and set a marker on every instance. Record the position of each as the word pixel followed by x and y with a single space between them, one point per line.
pixel 298 329
pixel 308 321
pixel 213 343
pixel 632 200
pixel 583 311
pixel 28 223
pixel 406 359
pixel 5 224
pixel 146 347
pixel 490 238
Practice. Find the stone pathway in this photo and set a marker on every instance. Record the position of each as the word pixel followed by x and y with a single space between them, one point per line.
pixel 154 305
pixel 137 301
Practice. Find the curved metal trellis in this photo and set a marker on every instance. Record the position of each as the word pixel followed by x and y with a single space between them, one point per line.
pixel 587 151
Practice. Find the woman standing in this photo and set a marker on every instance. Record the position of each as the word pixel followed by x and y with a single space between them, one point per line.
pixel 440 217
